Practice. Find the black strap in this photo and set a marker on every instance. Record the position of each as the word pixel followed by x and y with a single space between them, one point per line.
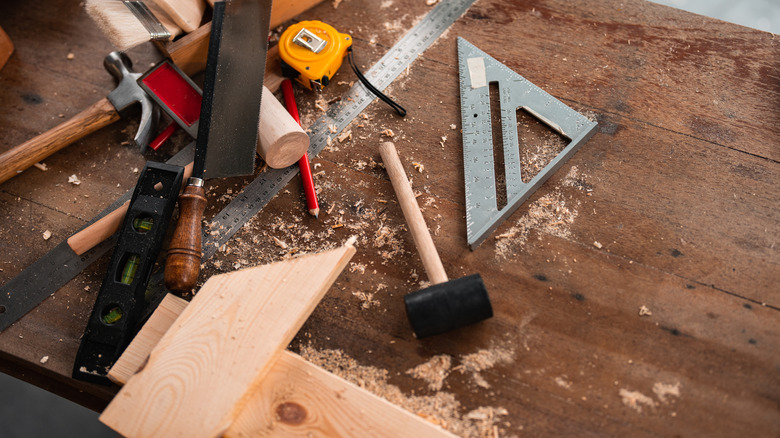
pixel 398 108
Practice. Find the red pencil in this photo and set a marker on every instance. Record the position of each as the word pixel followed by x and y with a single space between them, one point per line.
pixel 303 163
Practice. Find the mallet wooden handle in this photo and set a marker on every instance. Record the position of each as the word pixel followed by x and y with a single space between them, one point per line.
pixel 414 218
pixel 182 265
pixel 100 114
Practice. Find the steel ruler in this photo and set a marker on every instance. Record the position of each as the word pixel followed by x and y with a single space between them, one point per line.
pixel 25 291
pixel 477 70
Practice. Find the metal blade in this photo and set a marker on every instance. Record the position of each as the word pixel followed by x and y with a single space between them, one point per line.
pixel 236 88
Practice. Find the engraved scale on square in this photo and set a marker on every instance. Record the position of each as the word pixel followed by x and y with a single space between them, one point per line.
pixel 477 70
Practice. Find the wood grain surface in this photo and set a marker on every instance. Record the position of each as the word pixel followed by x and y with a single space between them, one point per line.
pixel 296 398
pixel 670 210
pixel 204 369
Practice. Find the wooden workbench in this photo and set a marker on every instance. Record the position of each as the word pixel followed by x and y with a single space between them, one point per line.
pixel 671 208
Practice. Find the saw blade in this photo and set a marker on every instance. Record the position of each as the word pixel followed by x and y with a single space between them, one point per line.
pixel 477 70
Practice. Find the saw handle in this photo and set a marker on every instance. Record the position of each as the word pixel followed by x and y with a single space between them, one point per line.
pixel 182 266
pixel 100 114
pixel 414 218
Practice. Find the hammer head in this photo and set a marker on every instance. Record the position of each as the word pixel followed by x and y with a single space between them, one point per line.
pixel 128 92
pixel 447 306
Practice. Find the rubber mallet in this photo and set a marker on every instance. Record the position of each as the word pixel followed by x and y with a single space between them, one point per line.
pixel 446 304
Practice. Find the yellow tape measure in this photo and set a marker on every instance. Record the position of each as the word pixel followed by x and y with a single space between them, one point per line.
pixel 312 52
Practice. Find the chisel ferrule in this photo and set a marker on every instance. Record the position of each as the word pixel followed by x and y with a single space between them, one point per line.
pixel 193 181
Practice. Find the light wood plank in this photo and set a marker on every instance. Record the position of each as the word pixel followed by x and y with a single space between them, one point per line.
pixel 296 398
pixel 204 368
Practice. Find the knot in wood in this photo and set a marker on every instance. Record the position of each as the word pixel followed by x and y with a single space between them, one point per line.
pixel 291 413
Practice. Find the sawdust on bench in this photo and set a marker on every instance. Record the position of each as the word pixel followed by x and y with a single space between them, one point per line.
pixel 550 214
pixel 441 408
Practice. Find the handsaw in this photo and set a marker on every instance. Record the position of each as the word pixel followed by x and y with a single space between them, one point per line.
pixel 227 134
pixel 477 70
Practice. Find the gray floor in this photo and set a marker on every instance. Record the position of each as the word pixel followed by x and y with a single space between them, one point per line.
pixel 29 412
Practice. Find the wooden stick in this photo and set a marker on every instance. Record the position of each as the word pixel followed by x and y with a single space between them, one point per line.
pixel 99 231
pixel 106 226
pixel 414 218
pixel 205 368
pixel 100 114
pixel 186 13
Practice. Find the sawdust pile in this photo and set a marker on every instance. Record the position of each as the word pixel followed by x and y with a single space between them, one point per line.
pixel 434 371
pixel 441 408
pixel 551 214
pixel 636 400
pixel 482 360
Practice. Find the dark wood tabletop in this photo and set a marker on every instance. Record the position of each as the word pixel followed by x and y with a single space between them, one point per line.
pixel 635 293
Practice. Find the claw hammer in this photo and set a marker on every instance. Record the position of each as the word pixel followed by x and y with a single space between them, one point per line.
pixel 100 114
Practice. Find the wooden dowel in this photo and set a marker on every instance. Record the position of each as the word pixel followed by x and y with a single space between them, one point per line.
pixel 109 224
pixel 281 140
pixel 414 218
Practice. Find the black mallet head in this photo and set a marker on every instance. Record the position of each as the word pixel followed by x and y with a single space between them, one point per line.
pixel 447 306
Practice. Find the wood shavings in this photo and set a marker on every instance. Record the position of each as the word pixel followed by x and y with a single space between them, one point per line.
pixel 597 244
pixel 388 133
pixel 431 2
pixel 357 267
pixel 663 390
pixel 482 360
pixel 418 167
pixel 636 400
pixel 73 179
pixel 433 372
pixel 336 3
pixel 345 136
pixel 41 166
pixel 366 299
pixel 453 127
pixel 562 382
pixel 333 129
pixel 71 56
pixel 440 408
pixel 46 235
pixel 644 311
pixel 44 359
pixel 280 243
pixel 549 214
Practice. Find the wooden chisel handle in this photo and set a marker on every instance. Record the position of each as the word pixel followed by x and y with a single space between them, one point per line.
pixel 182 266
pixel 414 218
pixel 36 149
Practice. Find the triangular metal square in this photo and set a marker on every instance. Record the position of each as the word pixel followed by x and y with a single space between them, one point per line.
pixel 477 70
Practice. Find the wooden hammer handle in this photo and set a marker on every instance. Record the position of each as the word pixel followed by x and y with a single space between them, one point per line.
pixel 414 218
pixel 36 149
